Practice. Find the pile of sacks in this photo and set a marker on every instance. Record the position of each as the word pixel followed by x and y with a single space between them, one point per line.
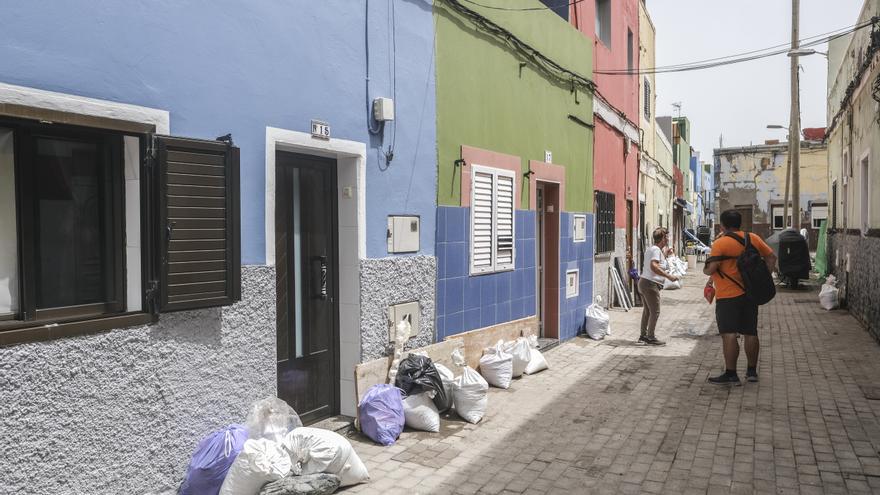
pixel 424 390
pixel 675 266
pixel 272 454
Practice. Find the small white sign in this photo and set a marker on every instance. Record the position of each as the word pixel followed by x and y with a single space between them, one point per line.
pixel 579 229
pixel 548 156
pixel 320 130
pixel 572 283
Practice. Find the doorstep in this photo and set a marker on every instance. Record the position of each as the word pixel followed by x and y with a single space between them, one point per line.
pixel 545 344
pixel 340 424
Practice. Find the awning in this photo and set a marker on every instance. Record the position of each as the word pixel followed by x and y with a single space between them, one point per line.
pixel 687 205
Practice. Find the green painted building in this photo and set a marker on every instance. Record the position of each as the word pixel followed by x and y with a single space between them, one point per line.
pixel 515 168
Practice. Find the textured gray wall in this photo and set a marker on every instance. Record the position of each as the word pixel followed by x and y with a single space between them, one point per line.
pixel 121 411
pixel 859 286
pixel 388 281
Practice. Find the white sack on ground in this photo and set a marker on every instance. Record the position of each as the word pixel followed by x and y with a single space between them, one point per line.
pixel 315 450
pixel 598 323
pixel 470 392
pixel 259 462
pixel 420 413
pixel 829 296
pixel 448 378
pixel 496 366
pixel 520 351
pixel 537 362
pixel 271 418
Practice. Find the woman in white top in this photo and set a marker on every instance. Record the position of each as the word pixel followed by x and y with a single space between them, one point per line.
pixel 651 282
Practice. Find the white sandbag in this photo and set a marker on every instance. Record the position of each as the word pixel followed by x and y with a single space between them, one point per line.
pixel 470 392
pixel 315 450
pixel 448 378
pixel 537 362
pixel 829 296
pixel 598 322
pixel 259 462
pixel 496 366
pixel 420 413
pixel 520 351
pixel 670 285
pixel 271 418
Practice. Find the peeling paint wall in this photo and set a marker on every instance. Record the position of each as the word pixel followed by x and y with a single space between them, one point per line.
pixel 755 175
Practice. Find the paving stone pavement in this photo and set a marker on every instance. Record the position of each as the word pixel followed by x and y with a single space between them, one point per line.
pixel 616 417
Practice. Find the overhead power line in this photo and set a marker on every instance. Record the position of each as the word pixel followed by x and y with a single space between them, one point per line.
pixel 743 57
pixel 525 9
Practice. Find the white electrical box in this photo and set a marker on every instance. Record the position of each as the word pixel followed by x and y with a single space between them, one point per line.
pixel 579 229
pixel 405 311
pixel 572 283
pixel 403 234
pixel 383 109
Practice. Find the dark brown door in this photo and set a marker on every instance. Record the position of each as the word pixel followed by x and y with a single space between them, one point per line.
pixel 305 246
pixel 746 213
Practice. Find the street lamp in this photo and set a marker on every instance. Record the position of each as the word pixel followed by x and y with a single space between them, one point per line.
pixel 803 52
pixel 776 126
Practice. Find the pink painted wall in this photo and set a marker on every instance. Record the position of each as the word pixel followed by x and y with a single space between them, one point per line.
pixel 620 90
pixel 616 173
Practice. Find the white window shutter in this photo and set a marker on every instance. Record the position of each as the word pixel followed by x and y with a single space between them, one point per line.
pixel 504 221
pixel 481 221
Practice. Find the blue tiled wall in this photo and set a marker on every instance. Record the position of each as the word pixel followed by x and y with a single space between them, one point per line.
pixel 574 255
pixel 467 303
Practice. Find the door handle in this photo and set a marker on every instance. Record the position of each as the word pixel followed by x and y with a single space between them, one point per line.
pixel 322 276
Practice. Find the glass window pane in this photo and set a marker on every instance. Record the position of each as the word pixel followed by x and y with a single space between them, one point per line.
pixel 72 207
pixel 8 226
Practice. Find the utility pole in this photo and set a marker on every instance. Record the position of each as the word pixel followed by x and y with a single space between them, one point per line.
pixel 794 132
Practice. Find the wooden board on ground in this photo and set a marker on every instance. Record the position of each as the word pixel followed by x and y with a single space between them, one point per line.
pixel 477 340
pixel 376 371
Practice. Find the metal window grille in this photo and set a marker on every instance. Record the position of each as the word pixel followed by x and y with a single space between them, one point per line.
pixel 604 202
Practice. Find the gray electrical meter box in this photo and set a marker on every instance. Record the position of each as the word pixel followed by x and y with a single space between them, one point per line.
pixel 403 234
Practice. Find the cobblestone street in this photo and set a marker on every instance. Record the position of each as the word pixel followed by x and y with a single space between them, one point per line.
pixel 616 417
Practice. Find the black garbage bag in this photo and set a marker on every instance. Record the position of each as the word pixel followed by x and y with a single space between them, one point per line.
pixel 417 374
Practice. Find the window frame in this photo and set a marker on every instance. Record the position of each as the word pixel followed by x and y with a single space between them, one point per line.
pixel 603 22
pixel 812 215
pixel 25 133
pixel 773 210
pixel 647 110
pixel 494 266
pixel 605 221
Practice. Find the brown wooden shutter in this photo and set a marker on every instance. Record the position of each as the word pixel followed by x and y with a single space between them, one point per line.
pixel 199 235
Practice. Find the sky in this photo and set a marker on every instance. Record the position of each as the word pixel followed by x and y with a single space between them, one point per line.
pixel 739 101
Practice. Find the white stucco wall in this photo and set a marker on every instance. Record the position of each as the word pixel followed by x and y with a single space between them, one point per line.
pixel 122 411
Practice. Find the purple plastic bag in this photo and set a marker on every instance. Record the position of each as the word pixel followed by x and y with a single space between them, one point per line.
pixel 381 413
pixel 212 460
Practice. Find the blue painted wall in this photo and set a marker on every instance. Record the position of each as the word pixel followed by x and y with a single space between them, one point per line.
pixel 229 66
pixel 468 303
pixel 574 256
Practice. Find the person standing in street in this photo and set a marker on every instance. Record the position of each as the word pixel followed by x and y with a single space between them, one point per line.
pixel 651 283
pixel 735 313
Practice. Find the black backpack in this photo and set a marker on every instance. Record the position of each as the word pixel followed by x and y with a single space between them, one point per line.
pixel 757 281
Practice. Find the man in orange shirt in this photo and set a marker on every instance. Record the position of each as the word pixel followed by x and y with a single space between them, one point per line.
pixel 735 313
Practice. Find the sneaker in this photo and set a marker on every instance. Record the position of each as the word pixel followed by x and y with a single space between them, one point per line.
pixel 725 379
pixel 643 339
pixel 654 341
pixel 751 375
